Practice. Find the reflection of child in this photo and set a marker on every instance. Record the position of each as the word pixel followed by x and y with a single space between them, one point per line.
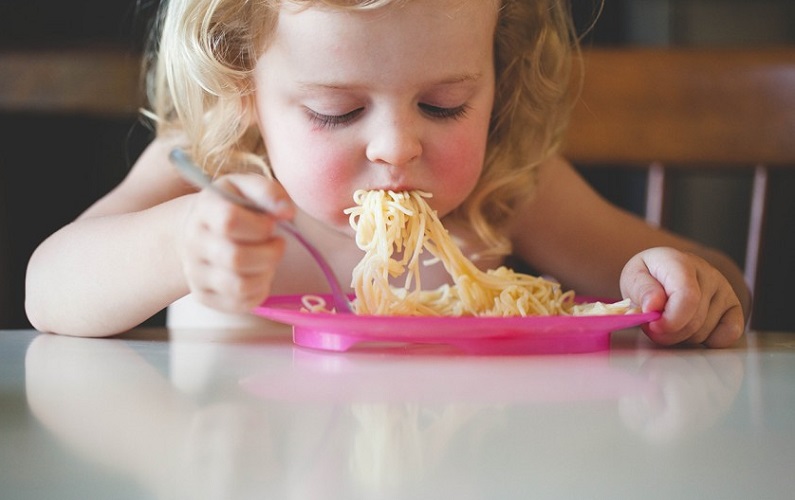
pixel 466 99
pixel 388 447
pixel 690 392
pixel 145 429
pixel 399 445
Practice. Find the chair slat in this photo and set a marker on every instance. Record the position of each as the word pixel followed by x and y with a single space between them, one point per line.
pixel 756 226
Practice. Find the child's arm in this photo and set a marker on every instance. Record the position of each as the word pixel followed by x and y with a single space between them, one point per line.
pixel 568 231
pixel 145 244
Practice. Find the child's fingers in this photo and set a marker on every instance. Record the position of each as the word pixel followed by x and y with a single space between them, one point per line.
pixel 233 289
pixel 243 258
pixel 265 193
pixel 698 304
pixel 641 287
pixel 729 329
pixel 715 321
pixel 224 219
pixel 685 311
pixel 658 281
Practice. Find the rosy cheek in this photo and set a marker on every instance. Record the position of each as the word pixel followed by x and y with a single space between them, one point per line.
pixel 322 187
pixel 464 160
pixel 327 167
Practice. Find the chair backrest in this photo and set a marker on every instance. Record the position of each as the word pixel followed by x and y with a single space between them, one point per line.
pixel 684 108
pixel 84 81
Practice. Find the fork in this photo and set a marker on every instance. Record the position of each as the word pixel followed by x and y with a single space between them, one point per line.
pixel 192 173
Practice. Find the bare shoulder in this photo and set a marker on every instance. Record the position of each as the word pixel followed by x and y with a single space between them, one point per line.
pixel 151 180
pixel 560 195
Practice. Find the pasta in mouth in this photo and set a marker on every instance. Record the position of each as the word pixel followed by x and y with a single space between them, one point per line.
pixel 399 233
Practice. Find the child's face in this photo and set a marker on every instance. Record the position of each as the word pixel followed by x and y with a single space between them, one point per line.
pixel 399 98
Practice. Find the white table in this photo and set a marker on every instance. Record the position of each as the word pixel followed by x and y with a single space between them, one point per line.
pixel 227 415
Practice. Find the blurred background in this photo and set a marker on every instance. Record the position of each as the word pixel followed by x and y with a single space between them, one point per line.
pixel 55 161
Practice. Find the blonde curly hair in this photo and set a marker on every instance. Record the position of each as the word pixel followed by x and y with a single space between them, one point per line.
pixel 200 83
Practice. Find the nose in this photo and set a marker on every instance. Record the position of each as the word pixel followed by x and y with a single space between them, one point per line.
pixel 396 142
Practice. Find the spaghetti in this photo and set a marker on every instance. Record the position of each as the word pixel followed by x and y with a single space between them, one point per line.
pixel 395 229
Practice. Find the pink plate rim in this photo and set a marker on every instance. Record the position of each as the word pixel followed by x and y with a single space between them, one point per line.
pixel 532 333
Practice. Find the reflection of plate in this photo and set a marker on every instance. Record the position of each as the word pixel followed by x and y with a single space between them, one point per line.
pixel 432 375
pixel 537 334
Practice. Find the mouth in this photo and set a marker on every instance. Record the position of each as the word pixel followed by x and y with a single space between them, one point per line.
pixel 394 189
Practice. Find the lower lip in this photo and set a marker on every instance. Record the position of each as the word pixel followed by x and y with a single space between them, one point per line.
pixel 398 189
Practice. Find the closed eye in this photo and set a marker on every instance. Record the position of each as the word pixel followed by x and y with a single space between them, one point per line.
pixel 444 113
pixel 330 121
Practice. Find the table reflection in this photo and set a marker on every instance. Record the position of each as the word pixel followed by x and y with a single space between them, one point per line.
pixel 195 418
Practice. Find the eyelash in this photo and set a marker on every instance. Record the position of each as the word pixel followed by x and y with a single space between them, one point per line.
pixel 332 121
pixel 445 113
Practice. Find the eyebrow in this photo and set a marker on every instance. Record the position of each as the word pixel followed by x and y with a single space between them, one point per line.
pixel 452 80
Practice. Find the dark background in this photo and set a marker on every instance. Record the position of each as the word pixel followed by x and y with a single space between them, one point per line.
pixel 53 166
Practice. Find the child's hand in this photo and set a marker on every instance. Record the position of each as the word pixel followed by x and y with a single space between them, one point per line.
pixel 697 302
pixel 230 253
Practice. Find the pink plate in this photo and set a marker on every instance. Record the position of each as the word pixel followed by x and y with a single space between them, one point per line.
pixel 477 335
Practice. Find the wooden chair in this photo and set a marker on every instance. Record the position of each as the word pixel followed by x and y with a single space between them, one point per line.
pixel 671 109
pixel 102 82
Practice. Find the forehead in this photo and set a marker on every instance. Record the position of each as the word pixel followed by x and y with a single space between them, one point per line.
pixel 401 39
pixel 438 13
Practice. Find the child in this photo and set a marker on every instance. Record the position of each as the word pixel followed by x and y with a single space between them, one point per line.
pixel 465 99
